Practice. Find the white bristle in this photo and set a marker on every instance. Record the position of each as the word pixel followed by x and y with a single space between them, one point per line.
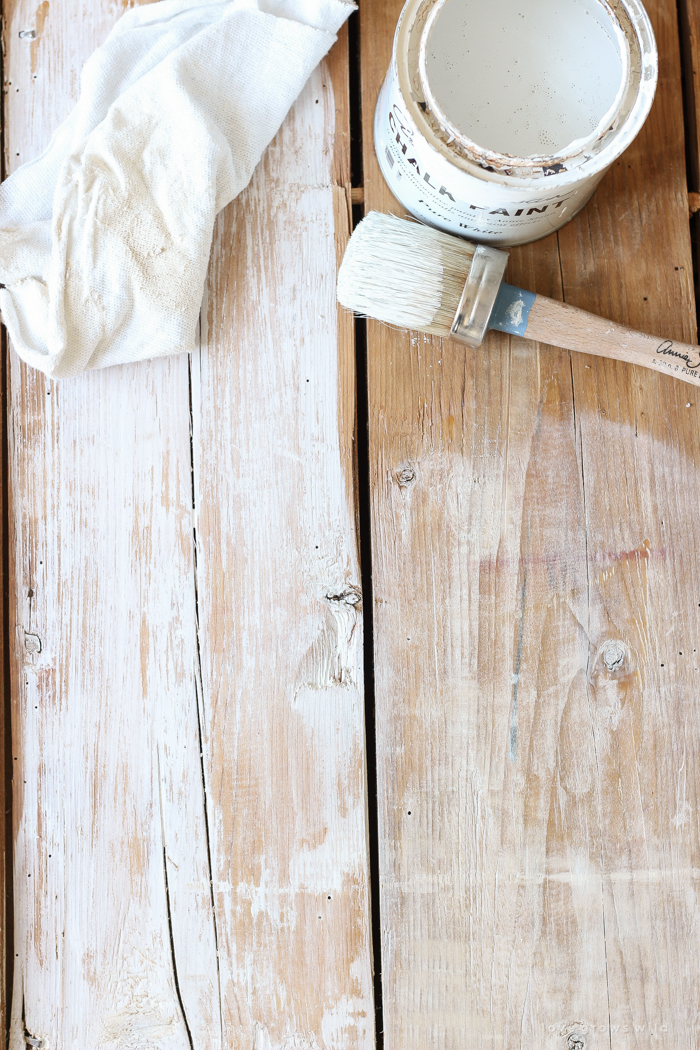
pixel 404 273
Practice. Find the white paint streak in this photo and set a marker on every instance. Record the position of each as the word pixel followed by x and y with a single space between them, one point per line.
pixel 514 313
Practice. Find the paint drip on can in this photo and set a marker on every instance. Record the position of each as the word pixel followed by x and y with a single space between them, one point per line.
pixel 498 120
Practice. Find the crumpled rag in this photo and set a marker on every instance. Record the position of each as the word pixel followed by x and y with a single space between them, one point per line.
pixel 105 239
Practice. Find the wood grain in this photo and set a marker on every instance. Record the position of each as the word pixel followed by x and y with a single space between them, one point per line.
pixel 560 324
pixel 103 683
pixel 280 624
pixel 534 526
pixel 189 785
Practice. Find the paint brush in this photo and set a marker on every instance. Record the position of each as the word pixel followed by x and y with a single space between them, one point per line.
pixel 410 275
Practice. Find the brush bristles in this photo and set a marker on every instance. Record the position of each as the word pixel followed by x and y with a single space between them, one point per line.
pixel 404 273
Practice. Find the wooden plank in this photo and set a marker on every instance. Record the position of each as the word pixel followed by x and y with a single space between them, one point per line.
pixel 640 458
pixel 103 608
pixel 533 537
pixel 279 598
pixel 126 777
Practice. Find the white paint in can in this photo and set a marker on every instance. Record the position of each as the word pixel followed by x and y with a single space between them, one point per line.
pixel 497 120
pixel 540 83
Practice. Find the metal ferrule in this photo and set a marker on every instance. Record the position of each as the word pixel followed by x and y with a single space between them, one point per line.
pixel 471 321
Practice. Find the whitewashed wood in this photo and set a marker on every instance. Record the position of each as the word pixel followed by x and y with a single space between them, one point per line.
pixel 534 538
pixel 115 936
pixel 280 605
pixel 103 581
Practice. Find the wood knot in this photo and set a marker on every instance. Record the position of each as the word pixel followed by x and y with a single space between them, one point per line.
pixel 346 596
pixel 614 658
pixel 614 655
pixel 575 1042
pixel 406 477
pixel 32 643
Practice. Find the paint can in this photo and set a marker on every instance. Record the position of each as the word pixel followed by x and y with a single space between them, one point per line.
pixel 497 120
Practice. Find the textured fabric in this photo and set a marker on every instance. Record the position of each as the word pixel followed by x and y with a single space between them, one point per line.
pixel 105 239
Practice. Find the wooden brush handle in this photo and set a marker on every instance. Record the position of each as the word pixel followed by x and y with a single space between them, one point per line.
pixel 573 329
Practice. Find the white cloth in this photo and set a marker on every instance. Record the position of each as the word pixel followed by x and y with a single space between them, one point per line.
pixel 105 239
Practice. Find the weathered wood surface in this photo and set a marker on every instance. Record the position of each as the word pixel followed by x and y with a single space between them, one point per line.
pixel 280 601
pixel 188 749
pixel 537 604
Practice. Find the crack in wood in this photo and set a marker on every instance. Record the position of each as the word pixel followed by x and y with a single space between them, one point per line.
pixel 199 698
pixel 579 445
pixel 29 1039
pixel 168 909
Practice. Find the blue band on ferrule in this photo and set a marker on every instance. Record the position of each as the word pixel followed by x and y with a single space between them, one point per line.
pixel 511 311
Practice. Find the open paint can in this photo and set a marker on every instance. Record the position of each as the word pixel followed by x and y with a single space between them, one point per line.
pixel 498 118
